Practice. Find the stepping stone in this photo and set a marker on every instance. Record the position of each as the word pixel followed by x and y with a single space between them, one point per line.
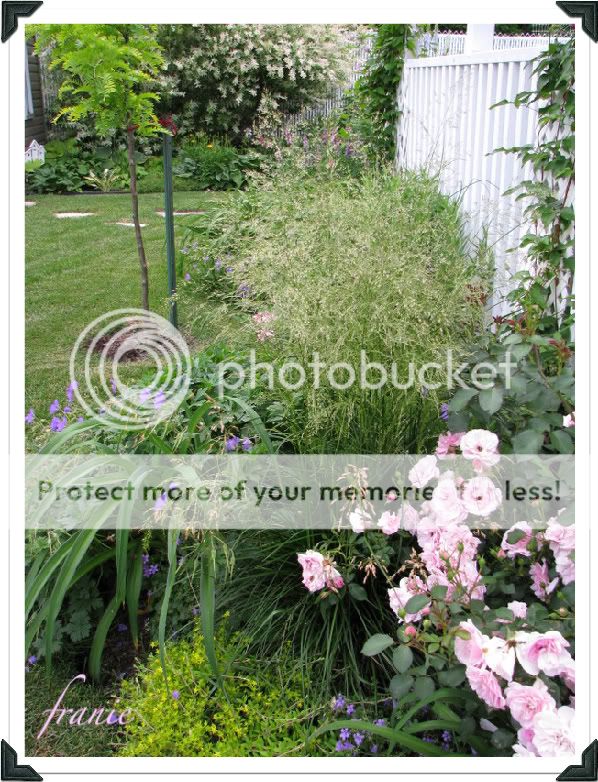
pixel 62 215
pixel 182 212
pixel 130 225
pixel 30 203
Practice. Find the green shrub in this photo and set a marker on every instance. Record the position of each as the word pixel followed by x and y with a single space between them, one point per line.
pixel 260 711
pixel 375 264
pixel 214 166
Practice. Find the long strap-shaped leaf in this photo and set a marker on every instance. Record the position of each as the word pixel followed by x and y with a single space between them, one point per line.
pixel 99 638
pixel 207 601
pixel 134 581
pixel 172 539
pixel 83 541
pixel 33 586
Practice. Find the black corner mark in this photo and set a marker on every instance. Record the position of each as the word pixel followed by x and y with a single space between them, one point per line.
pixel 10 769
pixel 588 771
pixel 588 13
pixel 11 12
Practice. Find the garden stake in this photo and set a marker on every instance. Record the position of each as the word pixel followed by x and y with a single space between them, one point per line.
pixel 168 216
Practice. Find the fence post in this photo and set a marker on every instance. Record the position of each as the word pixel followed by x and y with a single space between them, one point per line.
pixel 479 38
pixel 169 221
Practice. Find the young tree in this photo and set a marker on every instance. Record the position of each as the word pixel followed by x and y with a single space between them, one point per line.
pixel 107 69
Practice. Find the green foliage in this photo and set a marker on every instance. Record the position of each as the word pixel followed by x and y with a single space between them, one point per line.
pixel 219 77
pixel 381 262
pixel 526 407
pixel 107 69
pixel 376 89
pixel 259 712
pixel 214 166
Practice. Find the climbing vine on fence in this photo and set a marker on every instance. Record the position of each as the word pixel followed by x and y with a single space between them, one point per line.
pixel 532 408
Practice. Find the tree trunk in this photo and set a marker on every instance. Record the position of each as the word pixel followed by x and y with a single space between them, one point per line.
pixel 135 209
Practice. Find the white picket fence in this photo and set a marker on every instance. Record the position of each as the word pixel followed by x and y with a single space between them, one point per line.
pixel 441 44
pixel 448 128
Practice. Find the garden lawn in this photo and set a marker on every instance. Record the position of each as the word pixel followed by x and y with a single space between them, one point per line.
pixel 77 269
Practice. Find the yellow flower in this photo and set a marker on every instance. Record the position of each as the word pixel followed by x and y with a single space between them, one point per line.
pixel 210 146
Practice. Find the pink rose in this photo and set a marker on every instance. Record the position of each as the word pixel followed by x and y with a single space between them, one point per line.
pixel 481 447
pixel 469 650
pixel 424 471
pixel 518 608
pixel 565 566
pixel 481 497
pixel 525 702
pixel 446 504
pixel 569 420
pixel 448 444
pixel 560 539
pixel 520 547
pixel 554 732
pixel 542 586
pixel 545 652
pixel 499 656
pixel 568 676
pixel 485 684
pixel 399 597
pixel 389 523
pixel 410 631
pixel 312 563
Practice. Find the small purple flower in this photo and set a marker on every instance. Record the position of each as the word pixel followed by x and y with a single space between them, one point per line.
pixel 232 443
pixel 380 723
pixel 30 417
pixel 350 710
pixel 246 444
pixel 374 749
pixel 176 695
pixel 444 411
pixel 68 409
pixel 358 738
pixel 113 385
pixel 32 660
pixel 121 628
pixel 185 250
pixel 447 736
pixel 144 395
pixel 339 703
pixel 57 424
pixel 187 277
pixel 80 419
pixel 218 264
pixel 195 610
pixel 111 719
pixel 160 502
pixel 159 399
pixel 229 270
pixel 343 746
pixel 71 390
pixel 54 407
pixel 345 734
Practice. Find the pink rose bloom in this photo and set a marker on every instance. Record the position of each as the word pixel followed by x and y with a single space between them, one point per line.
pixel 519 751
pixel 446 504
pixel 424 471
pixel 448 444
pixel 481 447
pixel 568 676
pixel 410 631
pixel 518 608
pixel 469 651
pixel 481 497
pixel 525 738
pixel 389 523
pixel 312 563
pixel 565 566
pixel 499 656
pixel 542 586
pixel 399 597
pixel 545 652
pixel 561 539
pixel 525 702
pixel 513 549
pixel 359 521
pixel 334 580
pixel 485 684
pixel 409 517
pixel 569 420
pixel 554 732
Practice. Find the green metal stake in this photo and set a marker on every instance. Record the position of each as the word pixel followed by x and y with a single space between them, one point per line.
pixel 169 220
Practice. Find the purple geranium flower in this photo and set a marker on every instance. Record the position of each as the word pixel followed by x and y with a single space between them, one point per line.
pixel 30 417
pixel 57 424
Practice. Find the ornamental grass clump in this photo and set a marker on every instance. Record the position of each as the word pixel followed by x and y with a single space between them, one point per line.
pixel 373 268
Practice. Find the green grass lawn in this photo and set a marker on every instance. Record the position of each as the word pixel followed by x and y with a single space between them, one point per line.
pixel 77 269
